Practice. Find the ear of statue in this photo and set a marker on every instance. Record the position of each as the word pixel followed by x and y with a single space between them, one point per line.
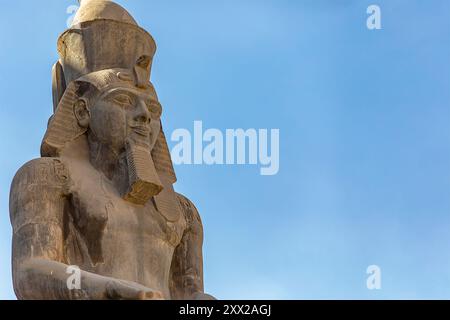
pixel 81 113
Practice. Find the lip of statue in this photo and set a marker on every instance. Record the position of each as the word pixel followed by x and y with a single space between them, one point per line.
pixel 141 130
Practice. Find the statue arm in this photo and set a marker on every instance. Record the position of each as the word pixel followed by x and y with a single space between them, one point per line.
pixel 37 200
pixel 187 263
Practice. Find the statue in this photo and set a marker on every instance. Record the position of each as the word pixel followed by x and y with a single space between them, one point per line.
pixel 101 196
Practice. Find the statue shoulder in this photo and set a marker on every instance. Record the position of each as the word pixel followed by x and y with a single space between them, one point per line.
pixel 42 172
pixel 35 185
pixel 190 212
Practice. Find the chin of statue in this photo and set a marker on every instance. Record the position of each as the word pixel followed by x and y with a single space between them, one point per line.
pixel 143 180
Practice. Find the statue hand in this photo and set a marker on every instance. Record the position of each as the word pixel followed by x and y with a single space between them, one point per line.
pixel 127 290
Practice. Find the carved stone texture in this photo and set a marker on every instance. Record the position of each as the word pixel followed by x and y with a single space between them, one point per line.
pixel 101 196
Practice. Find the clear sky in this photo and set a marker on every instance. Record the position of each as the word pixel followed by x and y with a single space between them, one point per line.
pixel 364 136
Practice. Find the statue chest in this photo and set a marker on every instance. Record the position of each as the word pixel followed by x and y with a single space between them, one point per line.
pixel 116 236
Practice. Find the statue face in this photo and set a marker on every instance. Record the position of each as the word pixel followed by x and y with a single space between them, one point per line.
pixel 125 114
pixel 127 120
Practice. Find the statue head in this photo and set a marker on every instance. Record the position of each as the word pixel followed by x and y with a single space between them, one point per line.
pixel 115 111
pixel 102 92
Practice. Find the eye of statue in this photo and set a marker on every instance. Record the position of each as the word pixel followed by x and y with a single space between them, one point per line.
pixel 123 99
pixel 155 109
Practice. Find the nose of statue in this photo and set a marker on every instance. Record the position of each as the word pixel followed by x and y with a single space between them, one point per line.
pixel 141 113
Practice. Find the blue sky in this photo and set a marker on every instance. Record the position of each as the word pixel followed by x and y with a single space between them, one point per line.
pixel 364 136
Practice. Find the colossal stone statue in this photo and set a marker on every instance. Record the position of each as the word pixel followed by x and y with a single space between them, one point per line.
pixel 101 197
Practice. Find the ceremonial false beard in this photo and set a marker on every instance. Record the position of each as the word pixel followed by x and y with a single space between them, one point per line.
pixel 143 180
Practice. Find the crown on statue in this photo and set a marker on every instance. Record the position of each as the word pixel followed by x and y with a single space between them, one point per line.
pixel 104 35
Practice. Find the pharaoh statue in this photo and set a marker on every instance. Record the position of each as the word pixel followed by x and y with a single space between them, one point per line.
pixel 101 197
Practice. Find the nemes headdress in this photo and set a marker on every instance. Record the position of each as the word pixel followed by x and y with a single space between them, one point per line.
pixel 104 44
